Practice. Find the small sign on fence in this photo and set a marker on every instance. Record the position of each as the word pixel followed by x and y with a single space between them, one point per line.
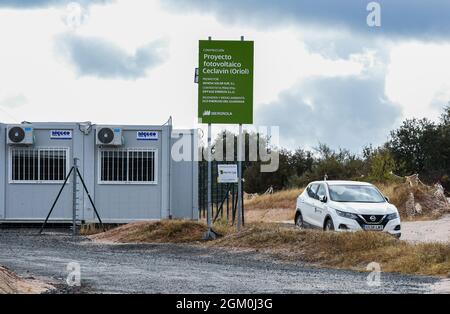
pixel 227 173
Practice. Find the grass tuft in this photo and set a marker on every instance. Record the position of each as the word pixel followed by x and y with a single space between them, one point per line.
pixel 94 228
pixel 167 231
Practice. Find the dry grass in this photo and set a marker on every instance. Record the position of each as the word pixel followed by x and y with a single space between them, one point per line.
pixel 270 215
pixel 167 231
pixel 94 228
pixel 342 250
pixel 282 199
pixel 276 207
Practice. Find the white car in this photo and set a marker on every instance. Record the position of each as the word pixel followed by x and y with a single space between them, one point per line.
pixel 346 206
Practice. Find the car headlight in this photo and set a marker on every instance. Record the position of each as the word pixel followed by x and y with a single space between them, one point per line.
pixel 392 216
pixel 346 215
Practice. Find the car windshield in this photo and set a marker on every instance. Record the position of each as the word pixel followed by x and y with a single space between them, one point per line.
pixel 355 193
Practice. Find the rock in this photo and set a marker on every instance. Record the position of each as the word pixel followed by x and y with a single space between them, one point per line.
pixel 439 193
pixel 410 208
pixel 418 208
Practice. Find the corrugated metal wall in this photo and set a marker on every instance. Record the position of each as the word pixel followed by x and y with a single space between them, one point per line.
pixel 184 179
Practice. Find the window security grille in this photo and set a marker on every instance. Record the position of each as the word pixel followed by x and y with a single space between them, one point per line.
pixel 127 166
pixel 38 165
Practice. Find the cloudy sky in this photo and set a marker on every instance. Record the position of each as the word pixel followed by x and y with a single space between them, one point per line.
pixel 321 73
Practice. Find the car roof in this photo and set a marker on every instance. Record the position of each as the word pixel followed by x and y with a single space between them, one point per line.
pixel 342 182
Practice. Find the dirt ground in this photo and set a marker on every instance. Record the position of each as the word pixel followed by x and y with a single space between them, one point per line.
pixel 11 283
pixel 171 268
pixel 427 231
pixel 270 215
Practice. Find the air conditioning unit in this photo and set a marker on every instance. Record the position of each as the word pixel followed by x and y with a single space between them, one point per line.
pixel 20 135
pixel 109 136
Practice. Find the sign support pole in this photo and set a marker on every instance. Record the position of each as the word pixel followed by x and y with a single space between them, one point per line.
pixel 239 156
pixel 209 214
pixel 210 234
pixel 239 153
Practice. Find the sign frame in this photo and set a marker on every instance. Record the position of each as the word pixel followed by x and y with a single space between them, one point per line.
pixel 227 173
pixel 225 81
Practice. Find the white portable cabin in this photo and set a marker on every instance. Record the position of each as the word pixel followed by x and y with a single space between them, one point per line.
pixel 128 171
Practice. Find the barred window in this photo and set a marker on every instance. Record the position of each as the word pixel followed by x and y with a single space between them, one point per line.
pixel 38 165
pixel 127 166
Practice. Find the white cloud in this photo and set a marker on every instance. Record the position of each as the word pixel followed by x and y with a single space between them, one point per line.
pixel 418 78
pixel 13 101
pixel 55 92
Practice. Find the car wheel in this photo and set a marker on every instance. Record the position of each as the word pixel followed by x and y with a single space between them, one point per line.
pixel 329 226
pixel 299 220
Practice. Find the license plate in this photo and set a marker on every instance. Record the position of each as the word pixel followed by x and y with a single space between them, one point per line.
pixel 373 227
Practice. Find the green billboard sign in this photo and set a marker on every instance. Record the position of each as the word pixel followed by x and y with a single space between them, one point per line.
pixel 225 82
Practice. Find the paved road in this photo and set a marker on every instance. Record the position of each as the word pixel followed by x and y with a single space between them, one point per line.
pixel 180 269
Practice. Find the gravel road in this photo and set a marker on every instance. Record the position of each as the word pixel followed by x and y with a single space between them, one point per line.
pixel 165 268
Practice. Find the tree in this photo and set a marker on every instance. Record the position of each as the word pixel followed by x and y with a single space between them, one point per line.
pixel 381 164
pixel 423 147
pixel 417 146
pixel 413 144
pixel 301 161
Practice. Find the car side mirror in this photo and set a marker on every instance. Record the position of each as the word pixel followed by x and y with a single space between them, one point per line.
pixel 323 198
pixel 386 198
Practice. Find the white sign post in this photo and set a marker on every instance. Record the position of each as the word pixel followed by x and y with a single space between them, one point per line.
pixel 227 173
